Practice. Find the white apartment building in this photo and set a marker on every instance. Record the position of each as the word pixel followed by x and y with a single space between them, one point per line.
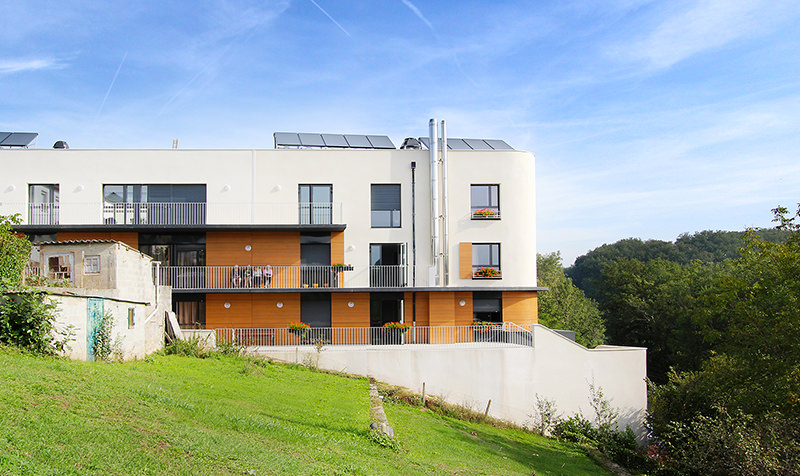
pixel 331 230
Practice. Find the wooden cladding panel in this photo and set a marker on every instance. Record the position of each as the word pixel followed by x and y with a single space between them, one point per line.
pixel 274 248
pixel 278 248
pixel 441 309
pixel 344 316
pixel 128 237
pixel 465 260
pixel 521 308
pixel 463 315
pixel 423 316
pixel 337 247
pixel 266 312
pixel 227 249
pixel 238 315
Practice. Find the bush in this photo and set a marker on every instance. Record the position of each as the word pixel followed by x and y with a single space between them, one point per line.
pixel 576 429
pixel 26 321
pixel 191 347
pixel 103 345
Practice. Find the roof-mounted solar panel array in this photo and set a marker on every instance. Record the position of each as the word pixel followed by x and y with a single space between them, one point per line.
pixel 335 141
pixel 17 139
pixel 470 144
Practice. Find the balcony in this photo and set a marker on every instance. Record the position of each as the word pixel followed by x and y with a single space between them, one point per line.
pixel 388 276
pixel 501 335
pixel 250 277
pixel 172 213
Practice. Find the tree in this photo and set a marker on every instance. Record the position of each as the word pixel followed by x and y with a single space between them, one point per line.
pixel 14 252
pixel 565 306
pixel 741 409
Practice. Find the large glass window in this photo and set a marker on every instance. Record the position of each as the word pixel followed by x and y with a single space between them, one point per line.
pixel 485 260
pixel 485 202
pixel 154 204
pixel 43 204
pixel 316 204
pixel 385 200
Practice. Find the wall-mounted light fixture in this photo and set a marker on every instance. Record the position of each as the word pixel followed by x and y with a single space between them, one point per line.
pixel 11 188
pixel 227 305
pixel 226 188
pixel 279 304
pixel 248 248
pixel 462 303
pixel 79 188
pixel 277 188
pixel 351 304
pixel 351 248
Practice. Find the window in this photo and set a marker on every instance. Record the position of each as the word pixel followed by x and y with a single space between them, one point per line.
pixel 91 264
pixel 43 204
pixel 316 204
pixel 59 266
pixel 385 199
pixel 485 201
pixel 487 307
pixel 154 204
pixel 131 320
pixel 486 260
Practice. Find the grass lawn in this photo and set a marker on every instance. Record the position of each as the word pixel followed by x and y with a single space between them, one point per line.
pixel 229 415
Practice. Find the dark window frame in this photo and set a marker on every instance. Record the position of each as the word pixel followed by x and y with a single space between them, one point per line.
pixel 484 211
pixel 476 267
pixel 395 219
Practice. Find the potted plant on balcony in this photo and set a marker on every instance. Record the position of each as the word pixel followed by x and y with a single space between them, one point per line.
pixel 343 267
pixel 485 213
pixel 486 272
pixel 300 329
pixel 485 331
pixel 393 332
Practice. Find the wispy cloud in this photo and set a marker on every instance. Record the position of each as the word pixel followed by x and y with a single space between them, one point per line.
pixel 331 18
pixel 110 86
pixel 706 25
pixel 22 65
pixel 419 14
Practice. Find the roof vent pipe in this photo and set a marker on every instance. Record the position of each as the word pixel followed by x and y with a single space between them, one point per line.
pixel 434 150
pixel 61 144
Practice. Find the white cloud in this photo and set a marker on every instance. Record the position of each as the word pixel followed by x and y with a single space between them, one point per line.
pixel 707 25
pixel 21 65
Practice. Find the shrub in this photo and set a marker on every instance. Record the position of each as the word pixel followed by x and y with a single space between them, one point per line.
pixel 26 320
pixel 191 347
pixel 103 346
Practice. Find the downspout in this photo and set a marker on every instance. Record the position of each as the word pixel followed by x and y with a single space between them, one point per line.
pixel 414 248
pixel 434 150
pixel 445 225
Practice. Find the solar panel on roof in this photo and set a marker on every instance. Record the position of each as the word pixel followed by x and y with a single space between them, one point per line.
pixel 380 142
pixel 358 141
pixel 19 139
pixel 287 139
pixel 334 140
pixel 478 144
pixel 311 140
pixel 498 144
pixel 4 135
pixel 457 144
pixel 470 144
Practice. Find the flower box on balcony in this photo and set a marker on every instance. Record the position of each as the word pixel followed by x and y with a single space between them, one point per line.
pixel 342 267
pixel 486 214
pixel 486 273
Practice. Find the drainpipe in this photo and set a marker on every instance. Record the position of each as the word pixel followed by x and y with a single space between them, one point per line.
pixel 414 246
pixel 434 150
pixel 445 225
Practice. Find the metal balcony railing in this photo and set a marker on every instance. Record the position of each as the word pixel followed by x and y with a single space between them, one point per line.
pixel 388 276
pixel 482 336
pixel 173 213
pixel 250 277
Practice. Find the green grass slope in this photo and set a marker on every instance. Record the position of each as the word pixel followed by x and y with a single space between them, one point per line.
pixel 229 415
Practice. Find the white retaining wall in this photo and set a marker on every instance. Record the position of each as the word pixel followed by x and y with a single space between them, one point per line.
pixel 556 368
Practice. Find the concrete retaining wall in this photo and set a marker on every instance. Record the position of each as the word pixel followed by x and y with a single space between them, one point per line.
pixel 556 368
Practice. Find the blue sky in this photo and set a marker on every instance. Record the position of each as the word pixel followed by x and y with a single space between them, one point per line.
pixel 648 119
